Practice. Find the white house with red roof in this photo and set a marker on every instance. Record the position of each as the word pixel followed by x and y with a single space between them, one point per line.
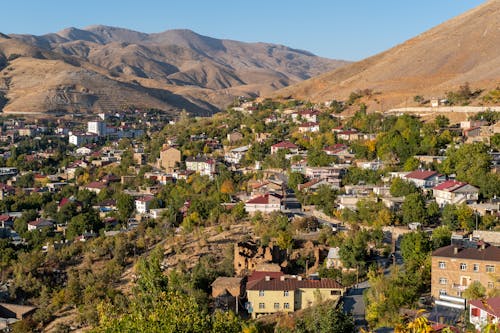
pixel 267 203
pixel 202 165
pixel 309 115
pixel 483 312
pixel 309 127
pixel 39 224
pixel 142 204
pixel 425 178
pixel 294 149
pixel 455 192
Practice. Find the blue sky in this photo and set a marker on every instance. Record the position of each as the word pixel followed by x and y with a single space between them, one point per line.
pixel 350 29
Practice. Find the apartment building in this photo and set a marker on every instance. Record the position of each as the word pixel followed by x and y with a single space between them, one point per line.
pixel 288 294
pixel 455 267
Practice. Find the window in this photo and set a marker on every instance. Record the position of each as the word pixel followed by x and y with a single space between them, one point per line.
pixel 442 265
pixel 276 305
pixel 442 292
pixel 285 293
pixel 335 292
pixel 286 306
pixel 490 268
pixel 474 312
pixel 261 292
pixel 491 285
pixel 443 281
pixel 476 267
pixel 463 266
pixel 262 306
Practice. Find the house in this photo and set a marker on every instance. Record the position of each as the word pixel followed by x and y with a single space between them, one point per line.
pixel 333 258
pixel 40 224
pixel 335 149
pixel 285 145
pixel 266 203
pixel 234 137
pixel 202 165
pixel 82 139
pixel 309 127
pixel 6 221
pixel 226 292
pixel 455 192
pixel 142 204
pixel 288 294
pixel 95 187
pixel 472 123
pixel 313 185
pixel 424 178
pixel 455 267
pixel 169 159
pixel 332 175
pixel 483 312
pixel 11 313
pixel 309 115
pixel 83 151
pixel 234 156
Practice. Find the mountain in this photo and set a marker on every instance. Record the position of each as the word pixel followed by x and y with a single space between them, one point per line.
pixel 463 49
pixel 100 68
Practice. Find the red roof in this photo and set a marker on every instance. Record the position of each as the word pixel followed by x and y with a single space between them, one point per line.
pixel 284 144
pixel 490 305
pixel 293 284
pixel 97 185
pixel 421 174
pixel 335 148
pixel 449 185
pixel 308 124
pixel 311 112
pixel 262 199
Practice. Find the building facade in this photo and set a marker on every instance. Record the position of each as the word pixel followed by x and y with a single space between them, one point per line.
pixel 288 294
pixel 455 267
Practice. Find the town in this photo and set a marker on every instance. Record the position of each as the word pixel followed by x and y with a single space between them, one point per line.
pixel 254 217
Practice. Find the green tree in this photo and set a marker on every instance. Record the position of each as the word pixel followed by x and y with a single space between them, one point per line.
pixel 294 179
pixel 414 209
pixel 475 291
pixel 441 236
pixel 415 248
pixel 125 205
pixel 400 187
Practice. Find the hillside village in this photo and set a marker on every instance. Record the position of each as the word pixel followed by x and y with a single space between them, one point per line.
pixel 262 211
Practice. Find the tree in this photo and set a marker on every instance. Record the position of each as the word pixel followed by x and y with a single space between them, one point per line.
pixel 294 179
pixel 442 121
pixel 227 187
pixel 441 236
pixel 400 187
pixel 125 205
pixel 414 209
pixel 325 318
pixel 470 162
pixel 475 291
pixel 415 248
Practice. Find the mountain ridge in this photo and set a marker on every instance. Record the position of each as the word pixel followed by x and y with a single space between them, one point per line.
pixel 202 71
pixel 462 49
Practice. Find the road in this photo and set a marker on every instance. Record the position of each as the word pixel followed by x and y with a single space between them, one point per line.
pixel 354 303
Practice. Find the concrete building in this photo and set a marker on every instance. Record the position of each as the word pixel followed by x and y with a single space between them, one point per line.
pixel 97 127
pixel 455 267
pixel 285 145
pixel 424 179
pixel 455 192
pixel 169 159
pixel 288 294
pixel 203 166
pixel 266 203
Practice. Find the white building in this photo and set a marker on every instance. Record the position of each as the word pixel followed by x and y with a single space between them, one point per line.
pixel 142 204
pixel 81 139
pixel 96 127
pixel 203 166
pixel 266 203
pixel 235 155
pixel 483 312
pixel 455 192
